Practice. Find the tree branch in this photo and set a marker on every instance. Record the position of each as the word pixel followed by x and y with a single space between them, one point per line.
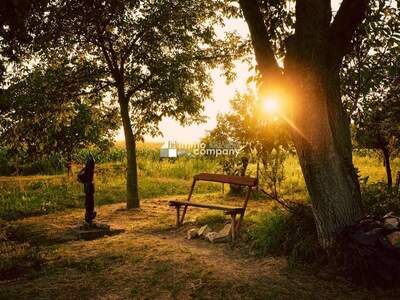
pixel 93 91
pixel 349 16
pixel 138 87
pixel 267 63
pixel 130 47
pixel 112 65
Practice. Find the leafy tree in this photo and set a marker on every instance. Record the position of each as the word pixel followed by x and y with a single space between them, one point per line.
pixel 155 56
pixel 48 112
pixel 378 128
pixel 17 18
pixel 370 81
pixel 264 138
pixel 314 45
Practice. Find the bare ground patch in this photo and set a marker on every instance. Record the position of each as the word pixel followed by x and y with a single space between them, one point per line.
pixel 153 260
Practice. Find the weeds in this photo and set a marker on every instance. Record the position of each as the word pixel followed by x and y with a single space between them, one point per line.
pixel 290 233
pixel 269 232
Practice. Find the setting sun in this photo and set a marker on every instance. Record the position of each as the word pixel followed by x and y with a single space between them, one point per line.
pixel 271 106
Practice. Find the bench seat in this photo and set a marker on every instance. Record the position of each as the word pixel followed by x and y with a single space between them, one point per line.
pixel 226 209
pixel 237 180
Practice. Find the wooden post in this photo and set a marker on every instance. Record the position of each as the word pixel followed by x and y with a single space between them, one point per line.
pixel 189 197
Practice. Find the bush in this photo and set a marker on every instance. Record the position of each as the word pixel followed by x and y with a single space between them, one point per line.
pixel 291 233
pixel 270 231
pixel 378 200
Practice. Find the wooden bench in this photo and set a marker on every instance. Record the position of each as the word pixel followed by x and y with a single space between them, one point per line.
pixel 228 210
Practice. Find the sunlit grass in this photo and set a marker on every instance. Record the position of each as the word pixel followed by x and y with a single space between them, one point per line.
pixel 31 195
pixel 36 195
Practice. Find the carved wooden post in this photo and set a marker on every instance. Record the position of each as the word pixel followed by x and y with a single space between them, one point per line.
pixel 85 176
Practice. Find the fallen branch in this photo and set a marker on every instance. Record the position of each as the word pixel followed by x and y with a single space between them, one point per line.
pixel 281 201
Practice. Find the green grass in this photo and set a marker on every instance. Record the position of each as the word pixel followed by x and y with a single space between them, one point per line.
pixel 269 231
pixel 34 195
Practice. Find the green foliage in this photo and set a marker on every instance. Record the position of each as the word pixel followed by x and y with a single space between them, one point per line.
pixel 378 200
pixel 291 233
pixel 48 114
pixel 370 80
pixel 182 168
pixel 155 55
pixel 273 168
pixel 262 138
pixel 113 154
pixel 269 232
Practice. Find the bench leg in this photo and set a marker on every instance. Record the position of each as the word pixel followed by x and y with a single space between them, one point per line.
pixel 239 223
pixel 189 197
pixel 233 230
pixel 178 222
pixel 183 213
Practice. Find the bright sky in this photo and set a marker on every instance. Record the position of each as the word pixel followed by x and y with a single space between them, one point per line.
pixel 222 93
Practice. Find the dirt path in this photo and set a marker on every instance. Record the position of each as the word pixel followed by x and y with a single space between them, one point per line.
pixel 150 259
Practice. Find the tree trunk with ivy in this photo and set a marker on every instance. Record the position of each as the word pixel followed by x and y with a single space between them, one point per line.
pixel 320 126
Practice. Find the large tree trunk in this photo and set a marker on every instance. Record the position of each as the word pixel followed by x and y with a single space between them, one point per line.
pixel 321 127
pixel 132 200
pixel 310 82
pixel 324 150
pixel 386 157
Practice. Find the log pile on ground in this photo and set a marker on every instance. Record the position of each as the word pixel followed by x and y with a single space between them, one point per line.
pixel 205 232
pixel 369 251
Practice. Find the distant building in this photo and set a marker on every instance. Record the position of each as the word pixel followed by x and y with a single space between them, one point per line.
pixel 168 150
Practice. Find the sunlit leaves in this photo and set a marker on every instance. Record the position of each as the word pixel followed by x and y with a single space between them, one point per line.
pixel 370 77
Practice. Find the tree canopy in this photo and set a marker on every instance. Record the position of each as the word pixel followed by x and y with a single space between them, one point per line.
pixel 153 57
pixel 370 80
pixel 47 111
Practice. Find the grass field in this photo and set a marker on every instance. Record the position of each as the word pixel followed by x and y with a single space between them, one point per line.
pixel 34 195
pixel 149 258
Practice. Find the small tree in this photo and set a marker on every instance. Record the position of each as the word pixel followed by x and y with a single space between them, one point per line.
pixel 266 138
pixel 370 81
pixel 378 128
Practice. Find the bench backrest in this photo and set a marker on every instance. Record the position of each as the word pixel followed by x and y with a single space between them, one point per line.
pixel 238 180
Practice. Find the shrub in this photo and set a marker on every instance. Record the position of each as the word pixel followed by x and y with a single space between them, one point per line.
pixel 378 200
pixel 270 231
pixel 273 168
pixel 291 233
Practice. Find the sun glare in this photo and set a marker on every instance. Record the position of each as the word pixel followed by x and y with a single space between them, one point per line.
pixel 271 106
